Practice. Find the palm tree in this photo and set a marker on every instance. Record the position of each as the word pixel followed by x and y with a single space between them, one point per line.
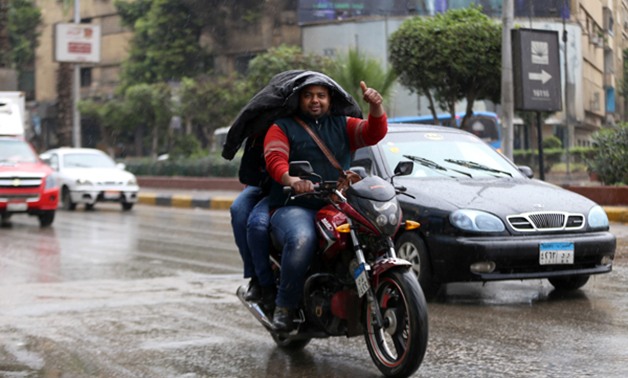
pixel 354 67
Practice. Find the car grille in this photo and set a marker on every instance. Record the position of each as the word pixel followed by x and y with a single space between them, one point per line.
pixel 20 181
pixel 546 221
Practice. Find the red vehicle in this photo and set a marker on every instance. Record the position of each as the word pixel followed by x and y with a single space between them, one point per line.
pixel 26 183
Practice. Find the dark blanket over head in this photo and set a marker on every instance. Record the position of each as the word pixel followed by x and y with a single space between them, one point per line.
pixel 280 98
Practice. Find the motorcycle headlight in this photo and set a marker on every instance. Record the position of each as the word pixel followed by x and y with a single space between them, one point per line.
pixel 476 221
pixel 384 215
pixel 50 182
pixel 597 218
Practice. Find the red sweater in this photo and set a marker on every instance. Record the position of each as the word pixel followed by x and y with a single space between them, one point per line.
pixel 361 133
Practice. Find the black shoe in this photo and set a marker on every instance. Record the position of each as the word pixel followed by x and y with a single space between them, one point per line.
pixel 282 319
pixel 254 291
pixel 268 299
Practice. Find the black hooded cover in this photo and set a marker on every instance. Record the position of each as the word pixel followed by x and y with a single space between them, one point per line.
pixel 280 98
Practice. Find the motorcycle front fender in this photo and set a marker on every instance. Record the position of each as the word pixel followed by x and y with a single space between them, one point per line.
pixel 382 266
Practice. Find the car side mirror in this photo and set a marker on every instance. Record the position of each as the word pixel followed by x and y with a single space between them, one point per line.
pixel 527 171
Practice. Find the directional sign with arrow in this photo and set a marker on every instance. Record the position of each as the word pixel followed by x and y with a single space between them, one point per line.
pixel 536 64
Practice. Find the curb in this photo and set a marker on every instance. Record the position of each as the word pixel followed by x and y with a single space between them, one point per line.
pixel 185 201
pixel 218 202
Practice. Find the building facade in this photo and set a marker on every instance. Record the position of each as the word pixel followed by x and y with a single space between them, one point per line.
pixel 596 37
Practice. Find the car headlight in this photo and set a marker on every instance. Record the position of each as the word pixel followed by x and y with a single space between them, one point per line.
pixel 50 182
pixel 476 221
pixel 83 182
pixel 597 218
pixel 132 182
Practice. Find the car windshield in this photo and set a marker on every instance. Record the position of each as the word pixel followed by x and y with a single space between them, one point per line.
pixel 87 160
pixel 438 154
pixel 16 151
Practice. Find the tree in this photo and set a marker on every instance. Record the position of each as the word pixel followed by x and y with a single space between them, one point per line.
pixel 166 42
pixel 24 21
pixel 283 58
pixel 348 70
pixel 152 111
pixel 449 57
pixel 208 103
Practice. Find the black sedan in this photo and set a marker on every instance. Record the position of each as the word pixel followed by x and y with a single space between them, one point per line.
pixel 483 218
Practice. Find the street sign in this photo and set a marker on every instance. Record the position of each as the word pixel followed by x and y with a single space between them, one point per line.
pixel 536 66
pixel 77 43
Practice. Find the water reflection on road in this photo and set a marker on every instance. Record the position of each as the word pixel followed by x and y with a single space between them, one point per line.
pixel 151 293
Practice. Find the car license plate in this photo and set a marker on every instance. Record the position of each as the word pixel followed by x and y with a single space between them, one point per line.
pixel 361 280
pixel 556 253
pixel 112 194
pixel 17 206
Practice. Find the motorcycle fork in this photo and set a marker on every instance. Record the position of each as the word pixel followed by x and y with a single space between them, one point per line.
pixel 370 294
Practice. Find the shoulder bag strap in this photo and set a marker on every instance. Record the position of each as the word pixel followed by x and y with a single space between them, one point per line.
pixel 321 145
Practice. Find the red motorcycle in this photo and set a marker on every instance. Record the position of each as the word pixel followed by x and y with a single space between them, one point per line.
pixel 356 285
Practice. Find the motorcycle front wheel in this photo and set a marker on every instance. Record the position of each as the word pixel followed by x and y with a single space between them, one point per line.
pixel 398 346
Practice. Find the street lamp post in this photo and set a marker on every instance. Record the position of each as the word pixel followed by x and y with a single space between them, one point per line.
pixel 76 86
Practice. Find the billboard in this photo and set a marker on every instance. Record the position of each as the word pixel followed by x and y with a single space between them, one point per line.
pixel 77 43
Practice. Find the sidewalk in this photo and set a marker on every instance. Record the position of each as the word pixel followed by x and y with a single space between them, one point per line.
pixel 222 200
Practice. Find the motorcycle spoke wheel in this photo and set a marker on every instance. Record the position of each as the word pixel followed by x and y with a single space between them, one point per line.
pixel 398 345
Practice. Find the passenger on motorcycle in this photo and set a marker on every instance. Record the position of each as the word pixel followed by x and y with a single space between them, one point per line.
pixel 292 222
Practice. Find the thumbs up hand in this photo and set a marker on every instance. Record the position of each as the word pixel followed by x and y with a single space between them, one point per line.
pixel 373 98
pixel 370 95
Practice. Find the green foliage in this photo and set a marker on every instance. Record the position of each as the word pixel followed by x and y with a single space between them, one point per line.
pixel 208 103
pixel 207 166
pixel 24 22
pixel 165 44
pixel 552 142
pixel 610 160
pixel 152 108
pixel 185 146
pixel 354 67
pixel 454 55
pixel 283 58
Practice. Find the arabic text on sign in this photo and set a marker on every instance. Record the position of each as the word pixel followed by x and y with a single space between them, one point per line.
pixel 79 48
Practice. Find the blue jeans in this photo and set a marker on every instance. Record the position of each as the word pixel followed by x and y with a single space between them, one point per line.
pixel 250 223
pixel 295 231
pixel 258 240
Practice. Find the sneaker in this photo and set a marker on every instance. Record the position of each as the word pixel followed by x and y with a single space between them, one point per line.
pixel 254 291
pixel 282 319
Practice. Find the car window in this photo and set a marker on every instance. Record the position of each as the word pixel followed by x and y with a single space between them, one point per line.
pixel 442 149
pixel 87 160
pixel 16 151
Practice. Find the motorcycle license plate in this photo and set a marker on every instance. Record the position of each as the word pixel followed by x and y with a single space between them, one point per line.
pixel 556 253
pixel 361 280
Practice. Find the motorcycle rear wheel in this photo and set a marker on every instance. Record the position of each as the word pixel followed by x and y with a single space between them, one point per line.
pixel 398 348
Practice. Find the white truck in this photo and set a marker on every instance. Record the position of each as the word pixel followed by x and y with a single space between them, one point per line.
pixel 13 117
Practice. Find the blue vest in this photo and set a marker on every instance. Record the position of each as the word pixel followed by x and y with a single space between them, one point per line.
pixel 332 130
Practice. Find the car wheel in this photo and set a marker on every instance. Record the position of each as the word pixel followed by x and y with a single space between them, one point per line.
pixel 568 283
pixel 5 220
pixel 411 247
pixel 89 206
pixel 46 218
pixel 66 199
pixel 126 206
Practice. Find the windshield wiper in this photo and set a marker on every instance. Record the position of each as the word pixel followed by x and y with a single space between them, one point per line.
pixel 473 165
pixel 432 164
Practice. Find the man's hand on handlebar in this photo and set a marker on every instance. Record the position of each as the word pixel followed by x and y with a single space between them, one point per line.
pixel 302 186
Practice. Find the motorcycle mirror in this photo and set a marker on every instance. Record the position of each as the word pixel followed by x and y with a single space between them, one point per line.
pixel 404 168
pixel 300 168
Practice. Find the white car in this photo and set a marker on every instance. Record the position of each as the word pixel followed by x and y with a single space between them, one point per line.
pixel 87 175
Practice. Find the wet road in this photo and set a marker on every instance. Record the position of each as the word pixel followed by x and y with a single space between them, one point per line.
pixel 150 293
